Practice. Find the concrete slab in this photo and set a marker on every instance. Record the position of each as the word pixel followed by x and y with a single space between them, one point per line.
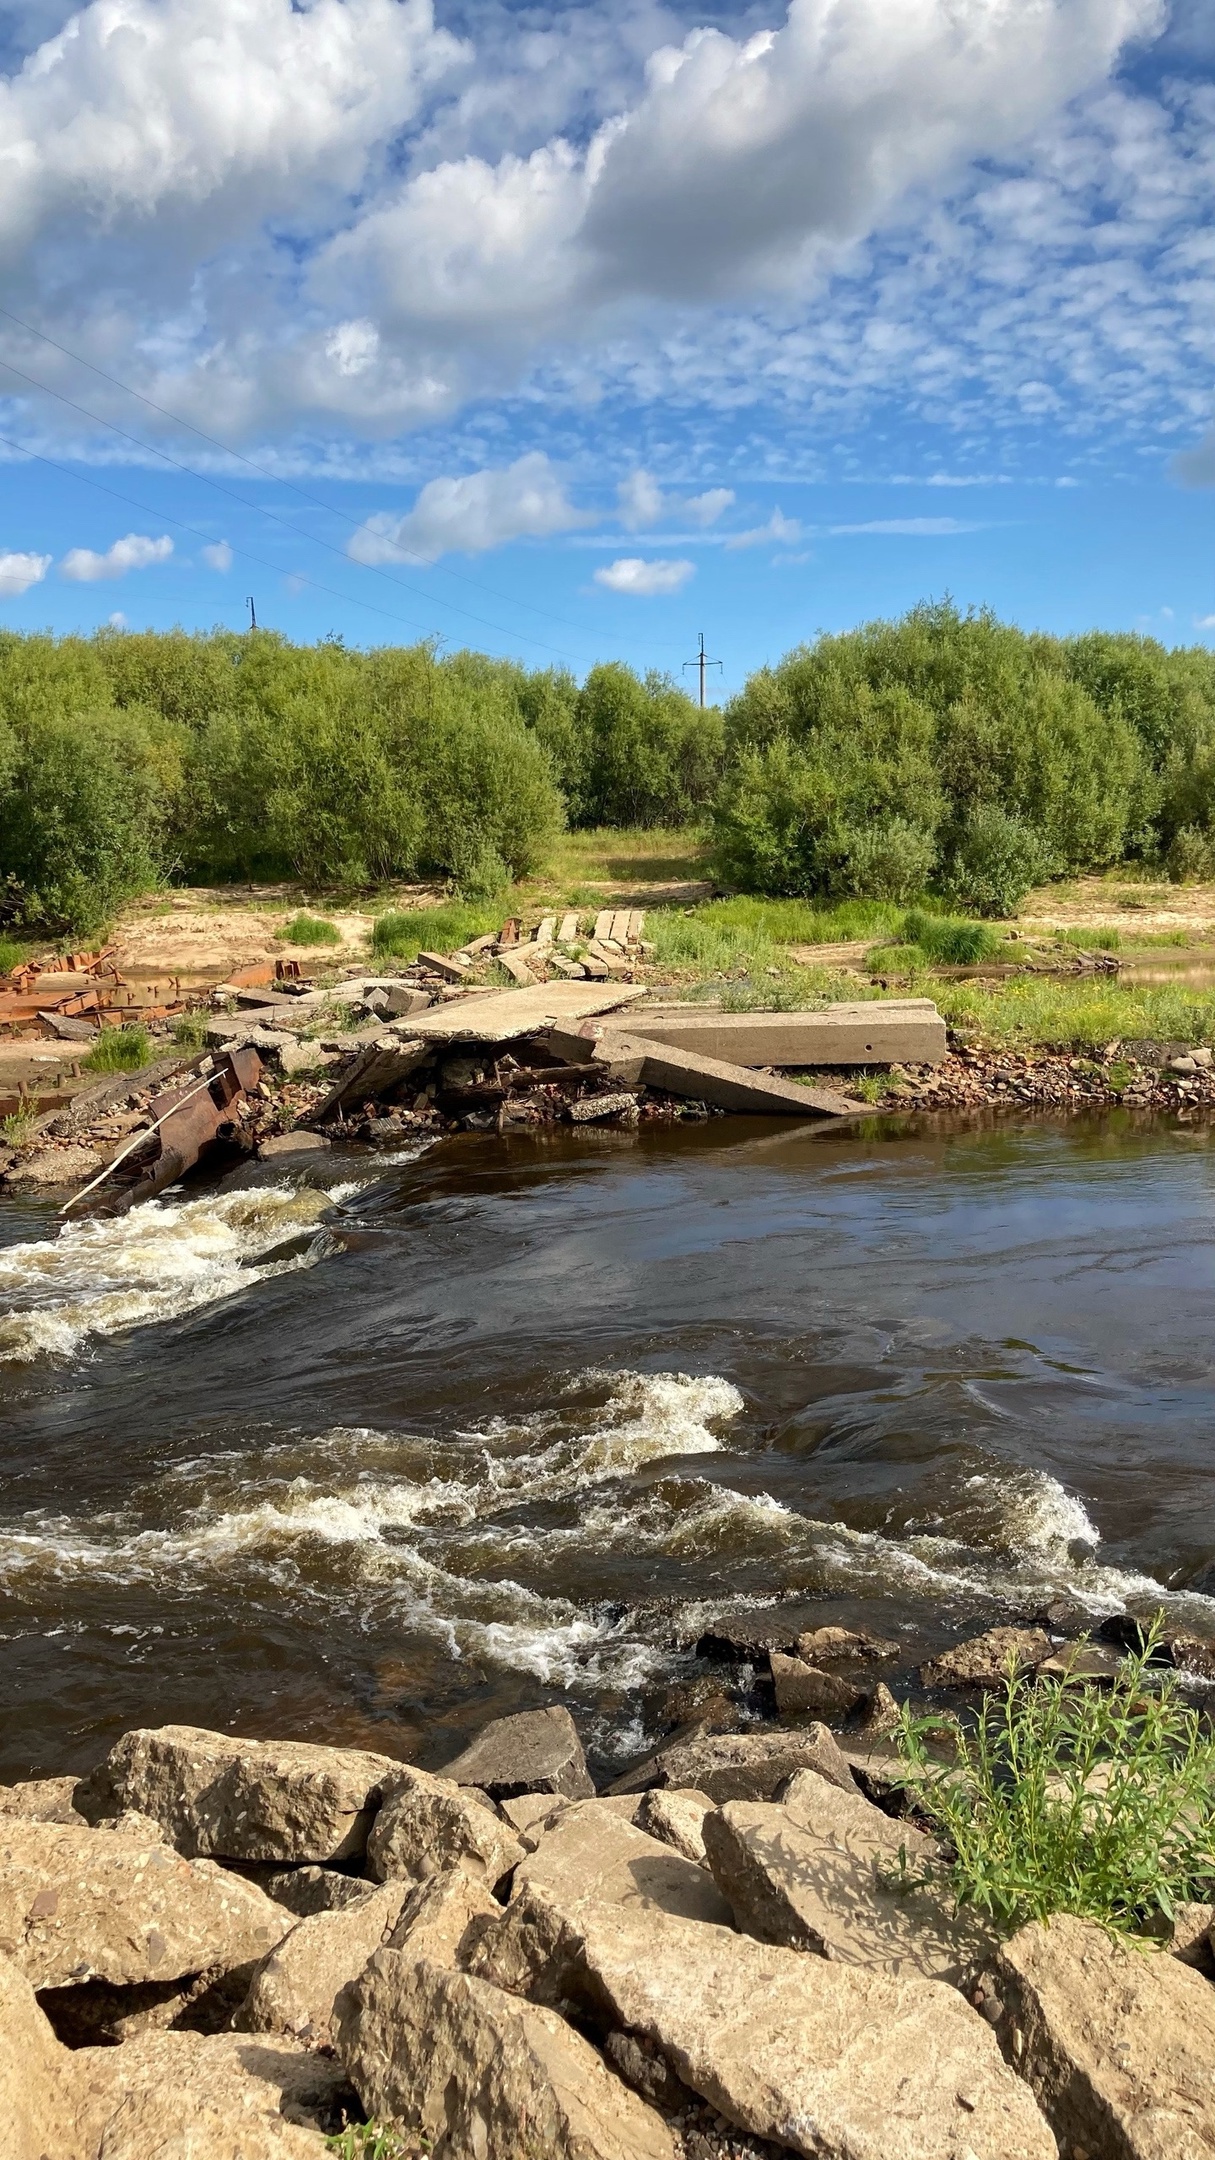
pixel 632 1059
pixel 504 1014
pixel 882 1031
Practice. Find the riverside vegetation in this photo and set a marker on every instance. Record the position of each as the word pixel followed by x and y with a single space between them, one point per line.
pixel 945 754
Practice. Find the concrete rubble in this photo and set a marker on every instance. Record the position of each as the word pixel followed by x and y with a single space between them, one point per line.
pixel 241 1945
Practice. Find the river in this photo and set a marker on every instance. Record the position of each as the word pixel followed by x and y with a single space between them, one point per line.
pixel 373 1460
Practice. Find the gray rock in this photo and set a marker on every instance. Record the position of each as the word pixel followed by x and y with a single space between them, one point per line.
pixel 592 1852
pixel 242 1799
pixel 739 1766
pixel 536 1751
pixel 293 1989
pixel 442 1917
pixel 298 1142
pixel 828 1880
pixel 802 1690
pixel 983 1661
pixel 42 1800
pixel 482 2075
pixel 676 1819
pixel 427 1825
pixel 222 2096
pixel 838 2062
pixel 308 1890
pixel 882 1714
pixel 824 1645
pixel 79 1904
pixel 1117 2042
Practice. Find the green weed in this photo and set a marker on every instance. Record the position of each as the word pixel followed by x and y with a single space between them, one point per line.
pixel 947 942
pixel 404 933
pixel 310 930
pixel 1092 937
pixel 121 1049
pixel 377 2141
pixel 190 1029
pixel 18 1127
pixel 11 955
pixel 1075 1012
pixel 1077 1799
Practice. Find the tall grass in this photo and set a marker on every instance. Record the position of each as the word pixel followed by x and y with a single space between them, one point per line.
pixel 121 1049
pixel 306 929
pixel 403 933
pixel 1073 1012
pixel 1076 1799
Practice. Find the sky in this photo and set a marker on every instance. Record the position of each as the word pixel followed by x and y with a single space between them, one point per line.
pixel 575 333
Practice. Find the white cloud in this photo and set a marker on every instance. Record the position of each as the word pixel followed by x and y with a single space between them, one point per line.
pixel 481 510
pixel 924 528
pixel 633 574
pixel 643 503
pixel 707 508
pixel 218 555
pixel 134 552
pixel 118 620
pixel 18 572
pixel 1204 622
pixel 779 527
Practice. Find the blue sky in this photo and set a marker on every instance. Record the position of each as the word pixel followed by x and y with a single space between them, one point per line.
pixel 573 332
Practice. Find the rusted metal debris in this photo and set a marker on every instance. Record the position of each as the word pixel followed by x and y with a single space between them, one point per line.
pixel 189 1119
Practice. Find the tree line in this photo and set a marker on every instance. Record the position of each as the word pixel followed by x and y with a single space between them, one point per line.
pixel 945 752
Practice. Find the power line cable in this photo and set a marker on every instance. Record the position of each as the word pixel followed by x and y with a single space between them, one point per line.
pixel 260 510
pixel 266 472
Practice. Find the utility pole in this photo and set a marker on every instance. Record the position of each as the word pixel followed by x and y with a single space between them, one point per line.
pixel 702 662
pixel 253 612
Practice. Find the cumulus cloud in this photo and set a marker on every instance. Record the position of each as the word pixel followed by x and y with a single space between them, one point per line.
pixel 18 572
pixel 218 555
pixel 633 574
pixel 481 510
pixel 779 527
pixel 643 503
pixel 134 552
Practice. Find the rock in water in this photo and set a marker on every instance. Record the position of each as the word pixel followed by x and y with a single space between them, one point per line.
pixel 79 1904
pixel 242 1799
pixel 427 1824
pixel 838 2062
pixel 802 1689
pixel 483 2074
pixel 537 1751
pixel 1118 2043
pixel 984 1661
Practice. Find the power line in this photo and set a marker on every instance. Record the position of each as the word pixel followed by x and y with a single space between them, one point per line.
pixel 260 510
pixel 227 450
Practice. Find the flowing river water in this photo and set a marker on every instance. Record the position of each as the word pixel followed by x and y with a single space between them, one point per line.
pixel 374 1459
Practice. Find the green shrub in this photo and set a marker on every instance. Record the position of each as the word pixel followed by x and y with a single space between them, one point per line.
pixel 309 930
pixel 1086 1800
pixel 84 815
pixel 1190 858
pixel 120 1049
pixel 949 943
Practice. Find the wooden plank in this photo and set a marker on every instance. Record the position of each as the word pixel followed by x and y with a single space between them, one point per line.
pixel 614 962
pixel 636 925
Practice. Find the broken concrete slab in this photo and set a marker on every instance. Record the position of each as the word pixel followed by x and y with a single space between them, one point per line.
pixel 829 1880
pixel 442 1916
pixel 427 1824
pixel 739 1766
pixel 78 1904
pixel 984 1660
pixel 803 1689
pixel 374 1072
pixel 879 1031
pixel 476 2072
pixel 534 1751
pixel 684 1072
pixel 1117 2043
pixel 293 1988
pixel 837 2062
pixel 590 1851
pixel 240 1799
pixel 502 1015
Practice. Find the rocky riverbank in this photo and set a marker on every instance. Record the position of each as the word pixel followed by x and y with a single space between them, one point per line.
pixel 744 1947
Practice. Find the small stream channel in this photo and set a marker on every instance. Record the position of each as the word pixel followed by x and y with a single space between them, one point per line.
pixel 511 1422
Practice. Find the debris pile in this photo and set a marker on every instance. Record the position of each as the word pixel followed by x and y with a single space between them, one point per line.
pixel 74 997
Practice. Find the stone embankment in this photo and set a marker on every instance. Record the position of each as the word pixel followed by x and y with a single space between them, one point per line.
pixel 231 1949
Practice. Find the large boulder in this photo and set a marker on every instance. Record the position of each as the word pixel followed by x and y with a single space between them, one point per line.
pixel 79 1904
pixel 480 2073
pixel 1117 2042
pixel 983 1661
pixel 676 1819
pixel 49 1799
pixel 427 1824
pixel 740 1766
pixel 292 1990
pixel 241 1799
pixel 592 1852
pixel 536 1751
pixel 838 2062
pixel 805 1690
pixel 830 1882
pixel 221 2096
pixel 443 1917
pixel 308 1890
pixel 824 1645
pixel 40 2084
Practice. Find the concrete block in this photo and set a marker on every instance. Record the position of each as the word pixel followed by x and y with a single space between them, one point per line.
pixel 876 1032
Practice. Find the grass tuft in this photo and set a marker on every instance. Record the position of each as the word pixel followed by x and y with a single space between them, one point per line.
pixel 405 932
pixel 190 1028
pixel 11 955
pixel 18 1127
pixel 122 1049
pixel 309 930
pixel 946 942
pixel 377 2141
pixel 1098 1801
